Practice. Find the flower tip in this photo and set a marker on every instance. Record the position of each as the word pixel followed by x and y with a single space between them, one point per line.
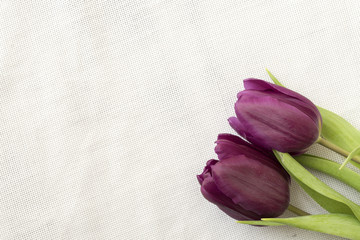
pixel 220 136
pixel 200 179
pixel 233 121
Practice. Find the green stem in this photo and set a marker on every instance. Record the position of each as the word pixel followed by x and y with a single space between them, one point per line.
pixel 337 149
pixel 297 211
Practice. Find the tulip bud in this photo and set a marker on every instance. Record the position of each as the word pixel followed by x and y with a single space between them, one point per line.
pixel 275 117
pixel 246 184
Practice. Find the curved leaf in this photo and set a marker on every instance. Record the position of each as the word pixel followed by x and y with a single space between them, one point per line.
pixel 331 168
pixel 338 131
pixel 324 195
pixel 274 79
pixel 341 225
pixel 350 157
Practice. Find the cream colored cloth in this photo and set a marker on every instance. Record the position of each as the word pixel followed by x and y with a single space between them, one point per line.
pixel 108 109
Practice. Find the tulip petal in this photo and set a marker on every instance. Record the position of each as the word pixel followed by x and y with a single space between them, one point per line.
pixel 238 213
pixel 334 128
pixel 207 170
pixel 292 98
pixel 261 85
pixel 229 145
pixel 236 125
pixel 211 192
pixel 252 185
pixel 272 124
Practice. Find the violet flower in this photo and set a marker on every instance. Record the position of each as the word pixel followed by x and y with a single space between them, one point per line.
pixel 247 184
pixel 275 117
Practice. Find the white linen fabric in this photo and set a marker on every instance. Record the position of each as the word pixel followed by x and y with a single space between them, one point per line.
pixel 109 109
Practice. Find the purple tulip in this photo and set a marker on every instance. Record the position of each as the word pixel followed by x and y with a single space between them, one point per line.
pixel 247 184
pixel 275 117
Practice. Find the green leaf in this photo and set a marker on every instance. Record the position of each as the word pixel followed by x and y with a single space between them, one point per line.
pixel 277 82
pixel 338 131
pixel 324 195
pixel 341 225
pixel 350 157
pixel 331 168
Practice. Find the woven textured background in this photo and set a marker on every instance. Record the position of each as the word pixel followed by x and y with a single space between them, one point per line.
pixel 108 109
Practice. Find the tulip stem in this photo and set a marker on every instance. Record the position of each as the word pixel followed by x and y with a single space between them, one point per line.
pixel 297 211
pixel 337 149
